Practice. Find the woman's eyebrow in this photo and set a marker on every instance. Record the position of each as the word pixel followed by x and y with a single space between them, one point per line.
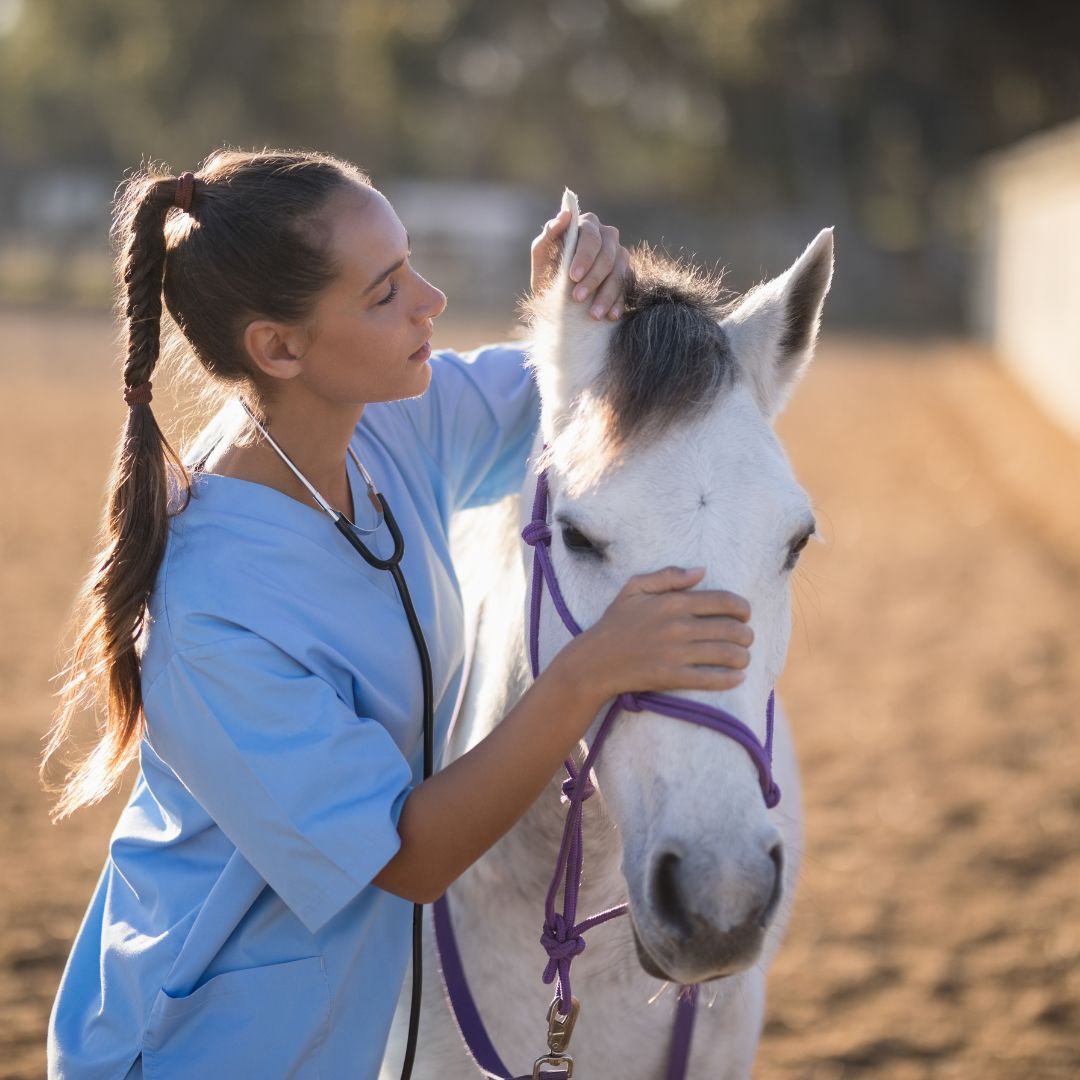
pixel 389 270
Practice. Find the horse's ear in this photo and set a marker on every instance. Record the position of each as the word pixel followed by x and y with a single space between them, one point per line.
pixel 774 328
pixel 569 347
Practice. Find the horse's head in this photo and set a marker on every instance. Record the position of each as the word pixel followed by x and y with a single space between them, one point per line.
pixel 661 452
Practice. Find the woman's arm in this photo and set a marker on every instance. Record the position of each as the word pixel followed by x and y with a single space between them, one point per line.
pixel 656 635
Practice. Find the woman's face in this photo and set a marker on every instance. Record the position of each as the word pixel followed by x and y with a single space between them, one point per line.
pixel 369 331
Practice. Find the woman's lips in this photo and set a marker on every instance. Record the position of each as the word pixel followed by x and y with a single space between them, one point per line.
pixel 422 353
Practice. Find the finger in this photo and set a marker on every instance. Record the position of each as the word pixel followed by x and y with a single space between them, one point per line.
pixel 708 678
pixel 720 628
pixel 608 299
pixel 546 249
pixel 588 247
pixel 557 225
pixel 722 654
pixel 717 602
pixel 550 233
pixel 670 577
pixel 602 265
pixel 619 277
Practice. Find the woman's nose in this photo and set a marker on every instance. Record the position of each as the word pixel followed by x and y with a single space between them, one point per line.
pixel 434 301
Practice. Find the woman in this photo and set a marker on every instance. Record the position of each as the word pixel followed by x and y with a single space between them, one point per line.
pixel 252 918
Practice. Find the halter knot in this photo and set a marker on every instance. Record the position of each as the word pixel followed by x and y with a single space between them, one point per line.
pixel 560 943
pixel 772 795
pixel 570 786
pixel 536 532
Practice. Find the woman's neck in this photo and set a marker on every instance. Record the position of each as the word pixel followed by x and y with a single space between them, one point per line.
pixel 316 441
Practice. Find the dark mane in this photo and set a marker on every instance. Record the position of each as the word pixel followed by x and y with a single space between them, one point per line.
pixel 668 355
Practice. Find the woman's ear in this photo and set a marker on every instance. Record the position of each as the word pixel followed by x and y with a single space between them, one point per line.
pixel 276 349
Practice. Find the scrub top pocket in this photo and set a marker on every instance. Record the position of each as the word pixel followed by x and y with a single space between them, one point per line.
pixel 267 1022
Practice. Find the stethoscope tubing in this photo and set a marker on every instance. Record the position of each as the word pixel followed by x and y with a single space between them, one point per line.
pixel 392 565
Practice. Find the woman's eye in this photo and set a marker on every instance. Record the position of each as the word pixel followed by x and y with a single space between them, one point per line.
pixel 576 540
pixel 390 295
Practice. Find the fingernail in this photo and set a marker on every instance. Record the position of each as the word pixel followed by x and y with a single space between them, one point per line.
pixel 576 272
pixel 580 292
pixel 614 313
pixel 597 311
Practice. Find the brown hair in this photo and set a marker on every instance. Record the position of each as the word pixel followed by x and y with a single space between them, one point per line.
pixel 252 245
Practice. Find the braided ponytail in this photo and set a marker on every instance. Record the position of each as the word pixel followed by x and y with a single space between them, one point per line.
pixel 148 482
pixel 252 243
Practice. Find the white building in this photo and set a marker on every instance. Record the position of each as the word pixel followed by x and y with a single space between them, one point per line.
pixel 1027 289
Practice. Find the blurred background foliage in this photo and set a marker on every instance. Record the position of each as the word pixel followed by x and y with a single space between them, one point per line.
pixel 734 127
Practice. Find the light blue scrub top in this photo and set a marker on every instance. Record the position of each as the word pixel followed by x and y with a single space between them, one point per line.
pixel 235 931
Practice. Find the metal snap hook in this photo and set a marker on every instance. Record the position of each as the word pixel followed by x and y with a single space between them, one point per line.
pixel 561 1026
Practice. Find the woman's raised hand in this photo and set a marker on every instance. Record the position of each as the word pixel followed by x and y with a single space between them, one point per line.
pixel 600 264
pixel 659 635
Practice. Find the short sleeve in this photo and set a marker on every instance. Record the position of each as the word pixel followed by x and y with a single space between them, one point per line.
pixel 309 792
pixel 478 420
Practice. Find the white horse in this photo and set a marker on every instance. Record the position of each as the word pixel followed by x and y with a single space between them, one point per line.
pixel 660 452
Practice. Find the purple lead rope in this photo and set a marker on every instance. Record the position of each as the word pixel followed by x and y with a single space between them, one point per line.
pixel 562 936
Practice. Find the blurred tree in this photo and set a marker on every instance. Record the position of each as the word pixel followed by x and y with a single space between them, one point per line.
pixel 112 81
pixel 751 103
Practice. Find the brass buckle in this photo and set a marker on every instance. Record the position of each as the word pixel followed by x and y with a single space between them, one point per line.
pixel 559 1061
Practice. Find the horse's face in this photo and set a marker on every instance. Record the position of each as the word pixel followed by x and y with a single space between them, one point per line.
pixel 702 856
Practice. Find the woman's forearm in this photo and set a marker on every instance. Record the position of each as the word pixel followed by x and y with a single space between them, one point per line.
pixel 450 820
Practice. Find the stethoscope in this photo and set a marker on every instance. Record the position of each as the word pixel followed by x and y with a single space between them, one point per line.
pixel 351 531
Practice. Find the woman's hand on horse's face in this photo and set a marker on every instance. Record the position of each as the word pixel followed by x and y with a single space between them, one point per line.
pixel 661 634
pixel 600 264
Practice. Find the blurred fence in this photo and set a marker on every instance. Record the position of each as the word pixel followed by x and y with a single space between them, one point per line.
pixel 472 239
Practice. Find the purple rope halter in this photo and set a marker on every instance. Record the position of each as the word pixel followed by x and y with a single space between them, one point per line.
pixel 562 936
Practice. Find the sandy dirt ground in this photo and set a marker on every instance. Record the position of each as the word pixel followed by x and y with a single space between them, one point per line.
pixel 933 683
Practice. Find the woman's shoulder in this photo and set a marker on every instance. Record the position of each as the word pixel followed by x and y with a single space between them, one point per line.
pixel 227 569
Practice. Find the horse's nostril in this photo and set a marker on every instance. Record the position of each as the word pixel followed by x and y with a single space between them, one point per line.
pixel 667 898
pixel 776 854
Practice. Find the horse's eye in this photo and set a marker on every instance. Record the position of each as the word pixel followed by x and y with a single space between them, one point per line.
pixel 576 540
pixel 793 553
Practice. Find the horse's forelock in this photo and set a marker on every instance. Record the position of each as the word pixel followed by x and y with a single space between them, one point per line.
pixel 668 359
pixel 668 356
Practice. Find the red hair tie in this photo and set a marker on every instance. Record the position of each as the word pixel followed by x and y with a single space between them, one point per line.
pixel 139 394
pixel 185 188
